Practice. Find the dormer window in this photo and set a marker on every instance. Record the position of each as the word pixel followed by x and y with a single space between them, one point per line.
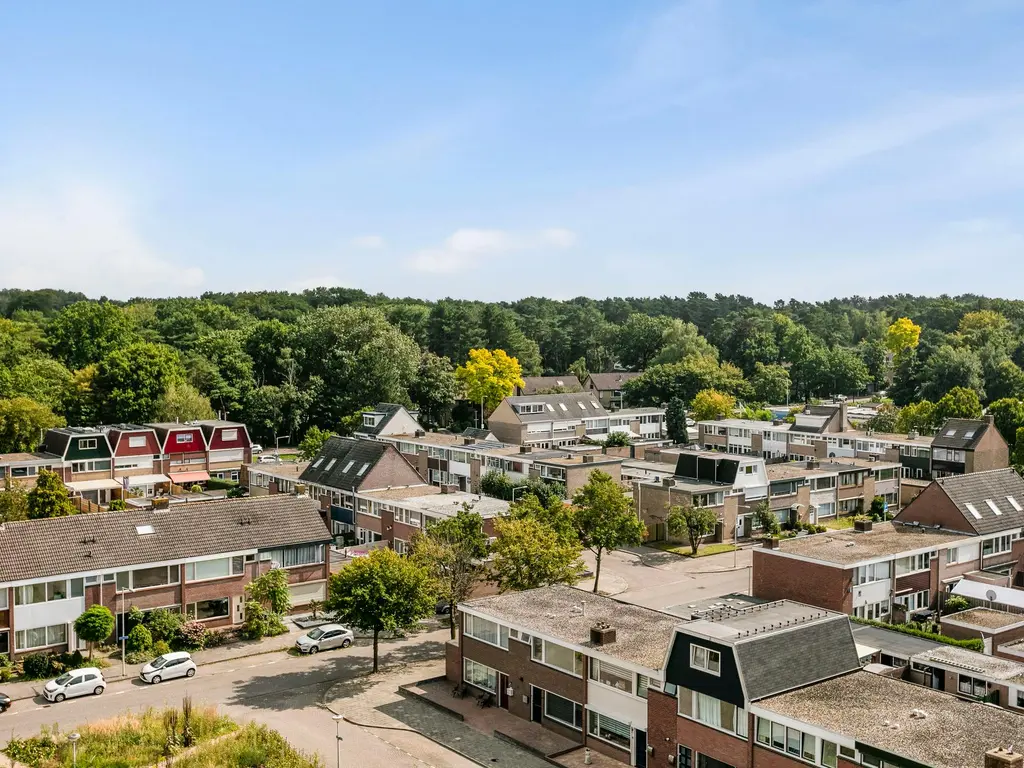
pixel 87 445
pixel 705 659
pixel 530 408
pixel 370 420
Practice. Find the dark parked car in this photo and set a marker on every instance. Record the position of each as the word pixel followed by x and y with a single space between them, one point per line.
pixel 5 702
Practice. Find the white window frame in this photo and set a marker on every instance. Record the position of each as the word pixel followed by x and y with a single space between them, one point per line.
pixel 466 665
pixel 578 708
pixel 701 658
pixel 87 444
pixel 542 658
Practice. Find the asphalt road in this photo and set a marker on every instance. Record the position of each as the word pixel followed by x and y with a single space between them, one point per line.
pixel 277 689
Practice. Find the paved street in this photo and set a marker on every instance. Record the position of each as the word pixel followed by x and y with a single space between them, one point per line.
pixel 658 579
pixel 280 690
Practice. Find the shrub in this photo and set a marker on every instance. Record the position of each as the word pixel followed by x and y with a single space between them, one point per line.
pixel 618 440
pixel 134 618
pixel 218 637
pixel 972 643
pixel 36 665
pixel 496 483
pixel 316 608
pixel 160 647
pixel 118 505
pixel 192 635
pixel 139 640
pixel 955 604
pixel 164 624
pixel 197 488
pixel 94 625
pixel 766 520
pixel 260 623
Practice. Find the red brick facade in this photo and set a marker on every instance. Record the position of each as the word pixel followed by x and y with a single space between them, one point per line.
pixel 785 578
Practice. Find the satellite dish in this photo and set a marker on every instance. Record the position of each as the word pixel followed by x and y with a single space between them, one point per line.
pixel 991 596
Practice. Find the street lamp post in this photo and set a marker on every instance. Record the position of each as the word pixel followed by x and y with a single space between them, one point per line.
pixel 73 738
pixel 124 632
pixel 518 488
pixel 337 722
pixel 277 445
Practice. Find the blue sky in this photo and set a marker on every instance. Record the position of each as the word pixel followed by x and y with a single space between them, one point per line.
pixel 497 150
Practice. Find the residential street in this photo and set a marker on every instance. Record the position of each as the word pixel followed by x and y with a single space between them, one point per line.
pixel 283 691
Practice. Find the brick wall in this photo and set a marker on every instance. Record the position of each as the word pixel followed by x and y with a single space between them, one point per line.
pixel 990 453
pixel 783 578
pixel 391 470
pixel 714 743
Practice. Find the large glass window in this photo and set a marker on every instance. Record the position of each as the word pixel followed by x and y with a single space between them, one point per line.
pixel 479 675
pixel 563 710
pixel 214 569
pixel 485 630
pixel 705 659
pixel 610 675
pixel 159 576
pixel 210 609
pixel 608 729
pixel 711 711
pixel 290 557
pixel 41 593
pixel 563 658
pixel 3 599
pixel 41 637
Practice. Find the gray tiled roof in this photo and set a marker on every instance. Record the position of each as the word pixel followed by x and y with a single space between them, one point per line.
pixel 533 384
pixel 389 410
pixel 564 407
pixel 92 542
pixel 477 433
pixel 611 381
pixel 977 489
pixel 344 462
pixel 965 433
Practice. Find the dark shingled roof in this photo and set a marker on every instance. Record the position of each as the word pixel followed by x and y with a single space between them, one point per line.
pixel 560 407
pixel 61 546
pixel 388 409
pixel 770 665
pixel 977 489
pixel 343 462
pixel 611 381
pixel 477 433
pixel 533 384
pixel 960 434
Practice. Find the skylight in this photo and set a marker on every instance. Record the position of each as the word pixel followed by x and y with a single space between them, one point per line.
pixel 596 406
pixel 562 406
pixel 581 405
pixel 329 464
pixel 950 432
pixel 973 511
pixel 318 462
pixel 993 507
pixel 144 530
pixel 551 407
pixel 362 469
pixel 1014 504
pixel 348 466
pixel 968 435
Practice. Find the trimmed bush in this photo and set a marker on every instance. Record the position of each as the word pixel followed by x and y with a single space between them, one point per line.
pixel 191 635
pixel 164 624
pixel 971 644
pixel 160 647
pixel 139 640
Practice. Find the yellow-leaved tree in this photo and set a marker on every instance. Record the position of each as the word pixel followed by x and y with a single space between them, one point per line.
pixel 489 376
pixel 901 335
pixel 709 404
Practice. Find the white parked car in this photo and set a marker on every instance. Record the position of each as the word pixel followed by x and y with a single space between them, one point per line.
pixel 256 449
pixel 77 682
pixel 325 637
pixel 168 666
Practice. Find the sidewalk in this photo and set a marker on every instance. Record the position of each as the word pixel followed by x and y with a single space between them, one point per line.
pixel 19 691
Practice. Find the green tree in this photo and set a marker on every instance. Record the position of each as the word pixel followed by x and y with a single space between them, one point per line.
pixel 180 401
pixel 139 640
pixel 22 421
pixel 660 383
pixel 49 498
pixel 766 519
pixel 271 590
pixel 552 513
pixel 901 335
pixel 1009 417
pixel 1017 457
pixel 675 421
pixel 488 377
pixel 95 625
pixel 501 330
pixel 313 442
pixel 13 503
pixel 605 519
pixel 770 383
pixel 886 419
pixel 528 554
pixel 950 367
pixel 638 340
pixel 465 528
pixel 693 522
pixel 131 381
pixel 117 505
pixel 877 510
pixel 618 439
pixel 958 403
pixel 920 417
pixel 87 331
pixel 709 404
pixel 40 378
pixel 985 327
pixel 906 378
pixel 435 390
pixel 78 402
pixel 578 368
pixel 1006 380
pixel 382 592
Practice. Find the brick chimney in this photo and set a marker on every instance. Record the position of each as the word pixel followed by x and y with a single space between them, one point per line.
pixel 990 419
pixel 771 542
pixel 863 526
pixel 1003 758
pixel 603 633
pixel 588 459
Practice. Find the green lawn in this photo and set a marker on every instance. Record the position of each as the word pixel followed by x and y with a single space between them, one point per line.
pixel 705 550
pixel 838 523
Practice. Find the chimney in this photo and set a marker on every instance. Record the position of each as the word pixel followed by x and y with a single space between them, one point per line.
pixel 588 459
pixel 668 482
pixel 1003 758
pixel 913 434
pixel 525 449
pixel 812 463
pixel 771 543
pixel 843 423
pixel 990 419
pixel 468 440
pixel 161 503
pixel 862 526
pixel 602 633
pixel 420 433
pixel 300 489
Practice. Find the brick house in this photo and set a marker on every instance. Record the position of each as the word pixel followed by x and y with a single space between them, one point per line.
pixel 608 387
pixel 388 419
pixel 139 464
pixel 86 462
pixel 21 469
pixel 228 447
pixel 184 448
pixel 195 558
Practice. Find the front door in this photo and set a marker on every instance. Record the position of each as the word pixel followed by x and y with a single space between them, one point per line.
pixel 537 701
pixel 503 691
pixel 741 527
pixel 640 749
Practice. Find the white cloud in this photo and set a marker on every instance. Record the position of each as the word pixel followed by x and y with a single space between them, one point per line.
pixel 369 242
pixel 468 248
pixel 81 237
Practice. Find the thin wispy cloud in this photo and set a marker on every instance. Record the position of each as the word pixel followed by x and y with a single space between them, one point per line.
pixel 469 249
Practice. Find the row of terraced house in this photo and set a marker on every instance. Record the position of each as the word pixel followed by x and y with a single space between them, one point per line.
pixel 102 463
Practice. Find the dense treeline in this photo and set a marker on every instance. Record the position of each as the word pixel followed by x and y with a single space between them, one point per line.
pixel 283 362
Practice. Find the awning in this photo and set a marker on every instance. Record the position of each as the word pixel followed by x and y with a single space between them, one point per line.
pixel 94 485
pixel 200 476
pixel 146 479
pixel 981 591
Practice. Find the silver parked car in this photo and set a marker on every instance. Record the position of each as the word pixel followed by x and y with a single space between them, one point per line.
pixel 325 637
pixel 168 666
